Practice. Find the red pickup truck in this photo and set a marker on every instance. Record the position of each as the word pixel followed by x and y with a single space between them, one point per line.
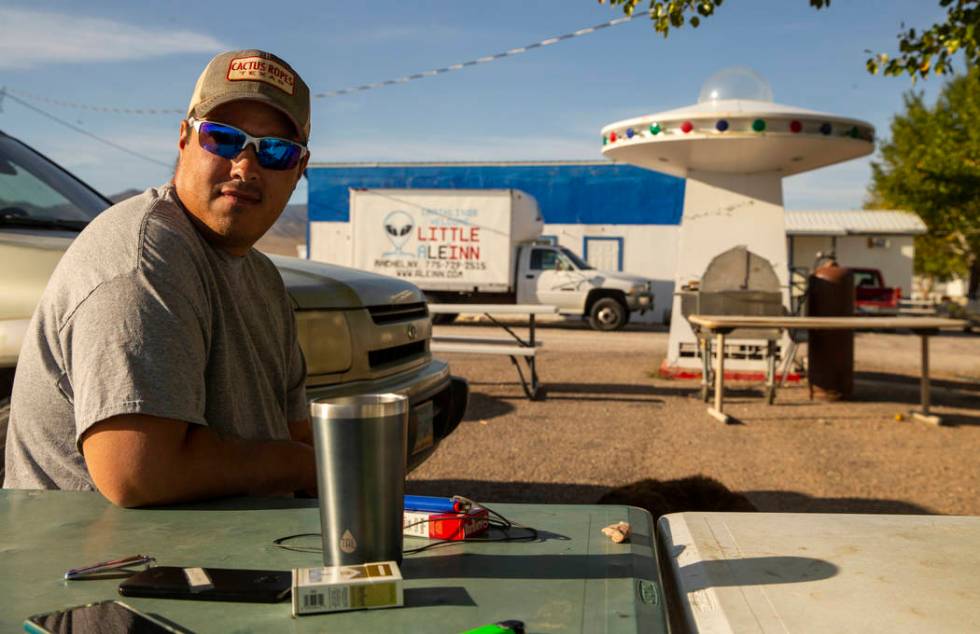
pixel 871 296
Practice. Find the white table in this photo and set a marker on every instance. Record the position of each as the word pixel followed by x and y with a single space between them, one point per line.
pixel 721 325
pixel 815 572
pixel 514 346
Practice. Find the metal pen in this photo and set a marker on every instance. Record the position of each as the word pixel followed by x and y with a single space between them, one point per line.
pixel 124 562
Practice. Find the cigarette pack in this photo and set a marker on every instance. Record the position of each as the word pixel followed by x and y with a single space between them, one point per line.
pixel 449 526
pixel 367 586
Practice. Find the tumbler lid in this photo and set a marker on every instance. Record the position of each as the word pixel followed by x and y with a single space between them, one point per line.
pixel 360 406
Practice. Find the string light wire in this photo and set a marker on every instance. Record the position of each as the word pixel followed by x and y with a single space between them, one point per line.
pixel 6 93
pixel 486 59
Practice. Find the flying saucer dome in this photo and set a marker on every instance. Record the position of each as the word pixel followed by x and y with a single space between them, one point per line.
pixel 736 128
pixel 737 82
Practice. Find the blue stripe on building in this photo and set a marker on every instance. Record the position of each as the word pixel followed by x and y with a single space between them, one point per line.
pixel 589 194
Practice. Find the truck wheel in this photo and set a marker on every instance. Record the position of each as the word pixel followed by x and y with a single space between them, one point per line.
pixel 607 314
pixel 444 318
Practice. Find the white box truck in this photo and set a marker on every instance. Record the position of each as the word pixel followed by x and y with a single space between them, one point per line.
pixel 480 246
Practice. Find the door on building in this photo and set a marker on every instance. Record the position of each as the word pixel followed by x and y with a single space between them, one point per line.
pixel 604 253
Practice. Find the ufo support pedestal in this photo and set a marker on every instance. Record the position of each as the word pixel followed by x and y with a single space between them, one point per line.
pixel 734 147
pixel 722 210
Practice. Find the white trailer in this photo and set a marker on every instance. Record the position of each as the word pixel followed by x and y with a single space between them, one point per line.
pixel 443 240
pixel 468 246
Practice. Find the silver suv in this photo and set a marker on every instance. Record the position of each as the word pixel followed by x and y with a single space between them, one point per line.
pixel 360 332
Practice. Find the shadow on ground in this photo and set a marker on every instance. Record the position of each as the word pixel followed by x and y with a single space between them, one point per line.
pixel 619 392
pixel 482 407
pixel 793 502
pixel 571 324
pixel 661 497
pixel 904 380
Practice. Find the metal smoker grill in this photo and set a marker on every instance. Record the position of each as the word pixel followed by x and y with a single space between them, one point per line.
pixel 736 282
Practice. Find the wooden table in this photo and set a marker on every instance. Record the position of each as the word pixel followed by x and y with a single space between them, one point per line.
pixel 721 325
pixel 513 346
pixel 571 579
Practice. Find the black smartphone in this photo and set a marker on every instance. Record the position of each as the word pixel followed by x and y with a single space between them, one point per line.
pixel 105 617
pixel 216 584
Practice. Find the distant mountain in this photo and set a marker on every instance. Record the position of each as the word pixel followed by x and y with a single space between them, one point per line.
pixel 292 223
pixel 287 234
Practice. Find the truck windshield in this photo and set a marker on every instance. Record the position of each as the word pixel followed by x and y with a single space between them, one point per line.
pixel 36 192
pixel 865 278
pixel 579 263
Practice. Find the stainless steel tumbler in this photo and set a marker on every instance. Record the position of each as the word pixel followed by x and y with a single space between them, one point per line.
pixel 361 444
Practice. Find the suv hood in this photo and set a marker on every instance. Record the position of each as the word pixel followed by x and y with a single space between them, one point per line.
pixel 317 286
pixel 311 285
pixel 29 258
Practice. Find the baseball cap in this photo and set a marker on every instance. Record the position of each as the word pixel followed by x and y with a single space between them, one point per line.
pixel 256 75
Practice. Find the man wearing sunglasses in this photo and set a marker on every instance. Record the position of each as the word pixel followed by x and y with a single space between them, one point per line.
pixel 162 363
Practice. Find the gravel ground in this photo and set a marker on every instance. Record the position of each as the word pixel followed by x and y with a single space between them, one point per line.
pixel 608 421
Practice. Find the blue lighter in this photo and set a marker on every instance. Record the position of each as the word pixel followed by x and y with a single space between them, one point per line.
pixel 431 504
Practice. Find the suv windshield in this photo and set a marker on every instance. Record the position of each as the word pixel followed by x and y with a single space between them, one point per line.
pixel 36 192
pixel 580 264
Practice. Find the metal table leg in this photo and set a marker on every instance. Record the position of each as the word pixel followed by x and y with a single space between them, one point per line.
pixel 716 411
pixel 924 415
pixel 771 371
pixel 704 349
pixel 530 385
pixel 790 356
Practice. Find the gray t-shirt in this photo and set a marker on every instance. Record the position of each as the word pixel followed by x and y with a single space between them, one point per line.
pixel 143 316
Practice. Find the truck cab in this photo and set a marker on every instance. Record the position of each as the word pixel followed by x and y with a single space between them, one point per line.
pixel 871 296
pixel 551 274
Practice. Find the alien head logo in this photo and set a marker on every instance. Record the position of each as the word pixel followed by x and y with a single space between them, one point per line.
pixel 398 226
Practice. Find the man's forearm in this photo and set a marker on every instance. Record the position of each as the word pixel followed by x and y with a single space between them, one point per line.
pixel 301 431
pixel 217 466
pixel 143 463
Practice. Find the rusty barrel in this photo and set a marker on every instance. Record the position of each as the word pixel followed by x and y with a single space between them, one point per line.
pixel 830 353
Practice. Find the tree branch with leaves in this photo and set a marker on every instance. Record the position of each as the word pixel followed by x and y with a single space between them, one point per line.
pixel 931 165
pixel 921 52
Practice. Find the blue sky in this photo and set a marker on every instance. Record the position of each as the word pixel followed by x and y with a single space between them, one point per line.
pixel 546 104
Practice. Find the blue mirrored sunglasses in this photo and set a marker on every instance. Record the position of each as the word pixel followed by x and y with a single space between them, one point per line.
pixel 228 142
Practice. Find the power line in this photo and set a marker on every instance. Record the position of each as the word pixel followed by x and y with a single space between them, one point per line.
pixel 482 60
pixel 363 87
pixel 83 106
pixel 6 93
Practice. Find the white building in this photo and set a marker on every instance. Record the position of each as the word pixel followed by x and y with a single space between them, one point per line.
pixel 877 239
pixel 617 217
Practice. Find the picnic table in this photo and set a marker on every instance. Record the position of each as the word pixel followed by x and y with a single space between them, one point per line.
pixel 721 325
pixel 514 346
pixel 572 578
pixel 821 572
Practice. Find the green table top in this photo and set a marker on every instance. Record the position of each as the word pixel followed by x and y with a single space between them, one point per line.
pixel 573 579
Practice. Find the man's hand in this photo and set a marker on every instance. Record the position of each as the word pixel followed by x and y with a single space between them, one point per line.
pixel 139 460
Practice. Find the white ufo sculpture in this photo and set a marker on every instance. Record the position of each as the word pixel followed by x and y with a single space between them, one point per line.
pixel 733 146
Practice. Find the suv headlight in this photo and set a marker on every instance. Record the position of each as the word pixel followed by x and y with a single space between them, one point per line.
pixel 325 339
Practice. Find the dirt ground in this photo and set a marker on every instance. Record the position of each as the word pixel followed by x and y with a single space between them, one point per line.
pixel 607 421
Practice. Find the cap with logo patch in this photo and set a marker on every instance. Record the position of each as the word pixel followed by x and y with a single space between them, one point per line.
pixel 255 75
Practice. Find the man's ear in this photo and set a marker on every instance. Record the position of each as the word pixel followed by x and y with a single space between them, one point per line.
pixel 302 168
pixel 185 134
